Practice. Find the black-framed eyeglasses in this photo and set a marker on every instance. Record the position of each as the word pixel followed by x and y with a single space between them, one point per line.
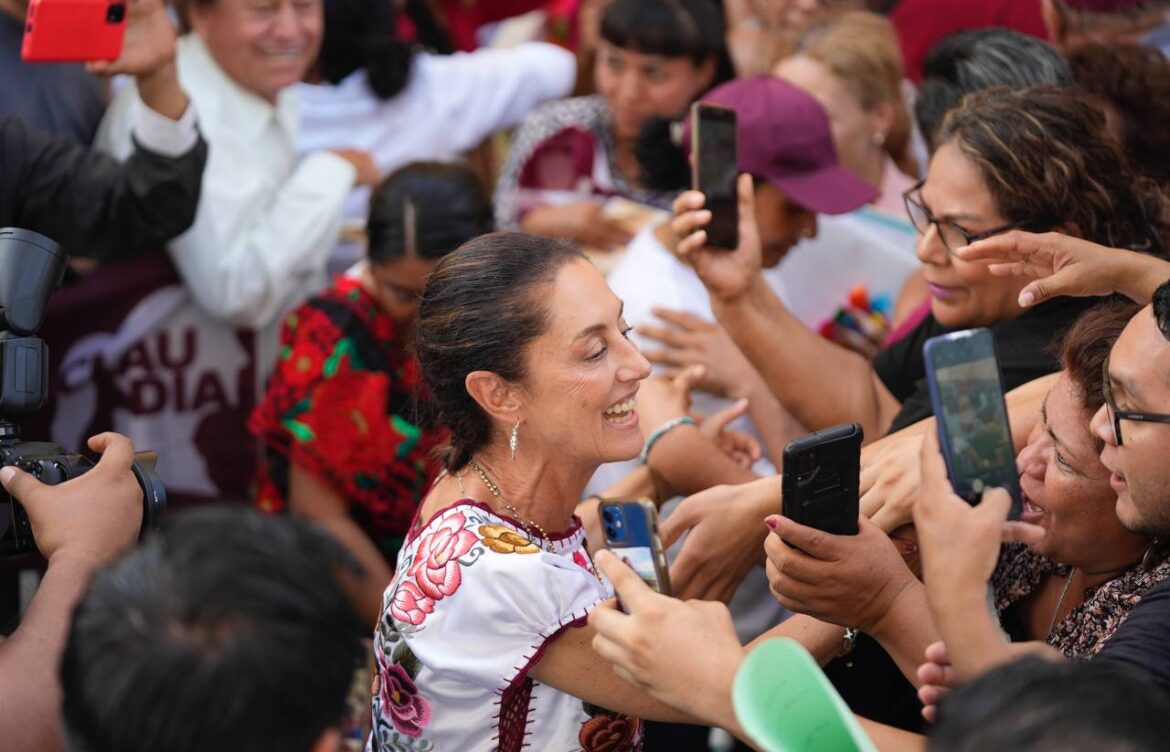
pixel 953 236
pixel 1120 415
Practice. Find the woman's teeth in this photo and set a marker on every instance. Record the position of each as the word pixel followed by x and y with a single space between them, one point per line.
pixel 621 410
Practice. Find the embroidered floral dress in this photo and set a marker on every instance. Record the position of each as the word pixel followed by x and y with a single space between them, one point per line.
pixel 341 405
pixel 563 152
pixel 471 610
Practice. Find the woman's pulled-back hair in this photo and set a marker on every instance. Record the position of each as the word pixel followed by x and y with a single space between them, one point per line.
pixel 1048 162
pixel 861 49
pixel 427 209
pixel 1085 346
pixel 975 59
pixel 483 306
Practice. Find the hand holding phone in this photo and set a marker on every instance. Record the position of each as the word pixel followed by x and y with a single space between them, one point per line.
pixel 63 31
pixel 822 479
pixel 966 391
pixel 714 169
pixel 631 534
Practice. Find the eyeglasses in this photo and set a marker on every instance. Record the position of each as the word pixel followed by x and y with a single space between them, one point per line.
pixel 953 236
pixel 1120 415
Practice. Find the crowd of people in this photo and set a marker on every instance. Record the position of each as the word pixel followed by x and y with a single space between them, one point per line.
pixel 403 292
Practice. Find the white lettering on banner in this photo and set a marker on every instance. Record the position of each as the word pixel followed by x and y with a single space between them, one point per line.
pixel 156 381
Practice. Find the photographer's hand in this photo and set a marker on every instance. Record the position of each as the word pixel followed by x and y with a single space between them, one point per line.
pixel 92 518
pixel 78 525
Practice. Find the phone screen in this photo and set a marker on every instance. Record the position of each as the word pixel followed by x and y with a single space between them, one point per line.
pixel 715 169
pixel 631 535
pixel 972 418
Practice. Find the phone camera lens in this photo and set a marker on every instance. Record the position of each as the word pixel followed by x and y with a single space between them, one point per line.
pixel 116 13
pixel 610 531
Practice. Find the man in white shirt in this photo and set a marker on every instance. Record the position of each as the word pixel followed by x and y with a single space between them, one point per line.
pixel 267 219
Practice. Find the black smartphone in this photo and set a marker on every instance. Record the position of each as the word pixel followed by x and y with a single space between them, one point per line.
pixel 973 431
pixel 714 169
pixel 822 479
pixel 631 534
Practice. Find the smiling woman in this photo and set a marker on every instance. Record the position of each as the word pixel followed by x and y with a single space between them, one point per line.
pixel 655 58
pixel 526 354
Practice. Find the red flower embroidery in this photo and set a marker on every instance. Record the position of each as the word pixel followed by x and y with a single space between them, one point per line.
pixel 436 566
pixel 602 733
pixel 401 701
pixel 410 605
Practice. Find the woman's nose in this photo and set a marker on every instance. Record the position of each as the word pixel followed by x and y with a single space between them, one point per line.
pixel 930 248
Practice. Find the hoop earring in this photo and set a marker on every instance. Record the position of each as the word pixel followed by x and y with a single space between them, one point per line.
pixel 514 439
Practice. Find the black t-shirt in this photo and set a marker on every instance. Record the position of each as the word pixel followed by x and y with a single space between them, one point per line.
pixel 1021 343
pixel 1143 639
pixel 868 679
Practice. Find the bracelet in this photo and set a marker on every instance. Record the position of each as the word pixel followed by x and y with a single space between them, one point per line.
pixel 848 642
pixel 662 431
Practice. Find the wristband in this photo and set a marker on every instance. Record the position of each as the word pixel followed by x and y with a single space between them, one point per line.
pixel 662 430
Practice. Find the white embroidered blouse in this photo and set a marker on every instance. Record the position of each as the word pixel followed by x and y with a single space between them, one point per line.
pixel 473 605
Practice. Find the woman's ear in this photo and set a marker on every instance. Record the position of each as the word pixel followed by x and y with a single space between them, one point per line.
pixel 882 119
pixel 497 396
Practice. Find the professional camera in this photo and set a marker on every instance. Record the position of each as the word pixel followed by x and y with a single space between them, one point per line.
pixel 31 267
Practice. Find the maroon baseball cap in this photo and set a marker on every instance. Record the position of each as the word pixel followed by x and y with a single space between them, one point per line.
pixel 784 138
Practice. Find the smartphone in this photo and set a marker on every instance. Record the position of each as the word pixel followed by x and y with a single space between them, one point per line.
pixel 714 169
pixel 967 393
pixel 631 534
pixel 822 478
pixel 70 31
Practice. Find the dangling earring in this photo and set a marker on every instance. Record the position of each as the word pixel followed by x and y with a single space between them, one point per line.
pixel 514 440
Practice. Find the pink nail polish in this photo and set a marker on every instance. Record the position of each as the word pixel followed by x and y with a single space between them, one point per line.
pixel 771 522
pixel 907 547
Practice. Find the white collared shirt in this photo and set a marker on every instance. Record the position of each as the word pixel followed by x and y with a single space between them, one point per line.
pixel 267 219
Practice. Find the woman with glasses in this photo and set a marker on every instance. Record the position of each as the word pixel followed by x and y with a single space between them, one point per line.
pixel 1069 587
pixel 1036 159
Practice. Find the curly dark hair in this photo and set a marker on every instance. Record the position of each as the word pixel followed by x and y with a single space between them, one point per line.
pixel 1045 156
pixel 1135 82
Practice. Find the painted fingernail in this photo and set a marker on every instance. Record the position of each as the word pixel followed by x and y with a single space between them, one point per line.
pixel 772 521
pixel 907 547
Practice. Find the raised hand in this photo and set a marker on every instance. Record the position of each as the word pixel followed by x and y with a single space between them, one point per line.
pixel 726 274
pixel 1066 266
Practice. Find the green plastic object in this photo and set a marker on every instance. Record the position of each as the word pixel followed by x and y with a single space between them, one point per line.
pixel 785 703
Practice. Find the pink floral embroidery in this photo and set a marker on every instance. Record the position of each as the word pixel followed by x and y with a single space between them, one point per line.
pixel 410 605
pixel 401 702
pixel 436 565
pixel 580 560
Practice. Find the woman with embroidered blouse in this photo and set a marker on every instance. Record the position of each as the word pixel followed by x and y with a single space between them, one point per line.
pixel 483 642
pixel 346 443
pixel 654 58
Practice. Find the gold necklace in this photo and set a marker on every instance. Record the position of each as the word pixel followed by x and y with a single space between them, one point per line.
pixel 1060 602
pixel 495 491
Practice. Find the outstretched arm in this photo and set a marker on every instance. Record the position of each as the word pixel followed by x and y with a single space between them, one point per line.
pixel 1064 265
pixel 842 387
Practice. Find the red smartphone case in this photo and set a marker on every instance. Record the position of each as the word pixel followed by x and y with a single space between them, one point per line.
pixel 72 31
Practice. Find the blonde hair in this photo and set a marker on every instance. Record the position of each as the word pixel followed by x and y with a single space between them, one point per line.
pixel 861 49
